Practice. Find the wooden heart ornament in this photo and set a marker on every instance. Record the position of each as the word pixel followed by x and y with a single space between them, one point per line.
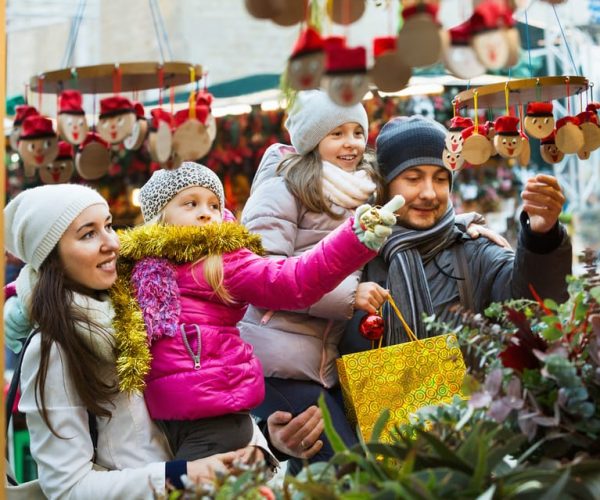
pixel 307 62
pixel 548 150
pixel 539 120
pixel 569 137
pixel 345 78
pixel 476 148
pixel 38 143
pixel 61 168
pixel 454 139
pixel 507 140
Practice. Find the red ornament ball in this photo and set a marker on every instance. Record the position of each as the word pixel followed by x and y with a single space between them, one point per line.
pixel 371 327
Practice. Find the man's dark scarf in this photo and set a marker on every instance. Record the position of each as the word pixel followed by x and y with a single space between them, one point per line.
pixel 405 253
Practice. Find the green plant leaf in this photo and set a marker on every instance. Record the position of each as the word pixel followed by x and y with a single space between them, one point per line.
pixel 556 491
pixel 595 293
pixel 487 494
pixel 444 452
pixel 380 424
pixel 334 438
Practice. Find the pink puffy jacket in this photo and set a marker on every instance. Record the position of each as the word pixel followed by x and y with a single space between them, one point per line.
pixel 227 377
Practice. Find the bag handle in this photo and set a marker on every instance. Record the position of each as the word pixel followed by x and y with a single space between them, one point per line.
pixel 409 332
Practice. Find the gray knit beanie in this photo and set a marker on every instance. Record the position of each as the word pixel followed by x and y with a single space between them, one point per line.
pixel 165 184
pixel 409 141
pixel 36 219
pixel 314 115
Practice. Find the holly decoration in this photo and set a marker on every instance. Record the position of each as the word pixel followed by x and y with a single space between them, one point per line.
pixel 371 327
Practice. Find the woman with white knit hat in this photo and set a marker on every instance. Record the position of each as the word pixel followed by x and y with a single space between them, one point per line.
pixel 299 195
pixel 64 235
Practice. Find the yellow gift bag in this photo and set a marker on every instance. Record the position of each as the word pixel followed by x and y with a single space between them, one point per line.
pixel 401 378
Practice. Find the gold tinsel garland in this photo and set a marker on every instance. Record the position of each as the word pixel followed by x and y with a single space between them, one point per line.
pixel 178 244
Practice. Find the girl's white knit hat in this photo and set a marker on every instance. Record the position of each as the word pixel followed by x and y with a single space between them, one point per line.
pixel 314 115
pixel 36 219
pixel 165 184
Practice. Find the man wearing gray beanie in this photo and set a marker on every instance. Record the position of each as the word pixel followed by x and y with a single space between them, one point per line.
pixel 430 264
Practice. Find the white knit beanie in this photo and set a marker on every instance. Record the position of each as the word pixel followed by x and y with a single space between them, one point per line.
pixel 36 219
pixel 314 115
pixel 165 184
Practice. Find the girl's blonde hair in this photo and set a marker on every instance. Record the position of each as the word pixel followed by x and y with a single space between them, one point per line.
pixel 304 178
pixel 213 267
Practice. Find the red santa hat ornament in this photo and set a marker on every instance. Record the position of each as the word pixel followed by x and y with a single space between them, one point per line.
pixel 454 139
pixel 38 143
pixel 539 120
pixel 61 168
pixel 569 137
pixel 549 151
pixel 476 148
pixel 389 72
pixel 423 34
pixel 507 140
pixel 116 120
pixel 307 62
pixel 346 79
pixel 459 57
pixel 490 39
pixel 22 111
pixel 71 122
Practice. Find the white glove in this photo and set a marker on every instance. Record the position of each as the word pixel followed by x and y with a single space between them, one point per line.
pixel 373 225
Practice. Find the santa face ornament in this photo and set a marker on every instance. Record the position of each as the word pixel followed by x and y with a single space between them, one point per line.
pixel 72 128
pixel 538 126
pixel 305 72
pixel 57 172
pixel 550 153
pixel 115 129
pixel 346 90
pixel 508 146
pixel 453 161
pixel 37 152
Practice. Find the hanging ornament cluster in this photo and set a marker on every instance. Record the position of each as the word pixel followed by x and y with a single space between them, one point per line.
pixel 467 142
pixel 487 40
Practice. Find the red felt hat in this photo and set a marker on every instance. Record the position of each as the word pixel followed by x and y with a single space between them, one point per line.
pixel 138 109
pixel 468 132
pixel 421 8
pixel 593 106
pixel 539 109
pixel 115 105
pixel 37 126
pixel 489 125
pixel 490 15
pixel 70 101
pixel 566 119
pixel 383 44
pixel 334 42
pixel 308 42
pixel 587 116
pixel 507 125
pixel 461 34
pixel 551 139
pixel 183 115
pixel 160 115
pixel 24 111
pixel 460 123
pixel 204 98
pixel 346 60
pixel 65 151
pixel 93 137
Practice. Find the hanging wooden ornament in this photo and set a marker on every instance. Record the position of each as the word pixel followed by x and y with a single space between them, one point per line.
pixel 569 137
pixel 61 168
pixel 38 143
pixel 116 119
pixel 293 13
pixel 490 133
pixel 93 158
pixel 588 123
pixel 23 111
pixel 525 155
pixel 134 141
pixel 389 72
pixel 345 79
pixel 345 11
pixel 453 161
pixel 476 148
pixel 190 136
pixel 548 150
pixel 264 9
pixel 306 64
pixel 490 40
pixel 454 139
pixel 421 39
pixel 459 57
pixel 160 139
pixel 71 122
pixel 507 140
pixel 539 120
pixel 514 39
pixel 204 101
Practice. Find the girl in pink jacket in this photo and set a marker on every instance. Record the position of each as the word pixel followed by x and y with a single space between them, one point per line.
pixel 192 276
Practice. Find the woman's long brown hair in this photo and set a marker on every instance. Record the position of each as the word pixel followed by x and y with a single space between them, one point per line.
pixel 56 319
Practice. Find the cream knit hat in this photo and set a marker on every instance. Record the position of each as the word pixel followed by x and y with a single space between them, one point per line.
pixel 36 219
pixel 314 115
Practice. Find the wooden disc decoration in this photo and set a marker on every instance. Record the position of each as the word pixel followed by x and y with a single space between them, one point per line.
pixel 453 161
pixel 264 9
pixel 93 159
pixel 476 148
pixel 590 130
pixel 346 79
pixel 307 61
pixel 539 120
pixel 569 137
pixel 211 127
pixel 73 128
pixel 453 141
pixel 160 142
pixel 134 141
pixel 191 140
pixel 346 11
pixel 525 154
pixel 462 61
pixel 38 143
pixel 390 73
pixel 116 120
pixel 507 140
pixel 492 48
pixel 514 46
pixel 22 112
pixel 548 150
pixel 61 168
pixel 292 13
pixel 422 34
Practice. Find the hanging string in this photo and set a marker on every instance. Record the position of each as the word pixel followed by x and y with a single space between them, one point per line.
pixel 591 91
pixel 73 32
pixel 568 96
pixel 205 80
pixel 161 84
pixel 172 101
pixel 156 31
pixel 580 102
pixel 192 98
pixel 538 90
pixel 94 112
pixel 74 78
pixel 453 108
pixel 40 90
pixel 117 79
pixel 565 40
pixel 507 98
pixel 527 41
pixel 26 93
pixel 476 129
